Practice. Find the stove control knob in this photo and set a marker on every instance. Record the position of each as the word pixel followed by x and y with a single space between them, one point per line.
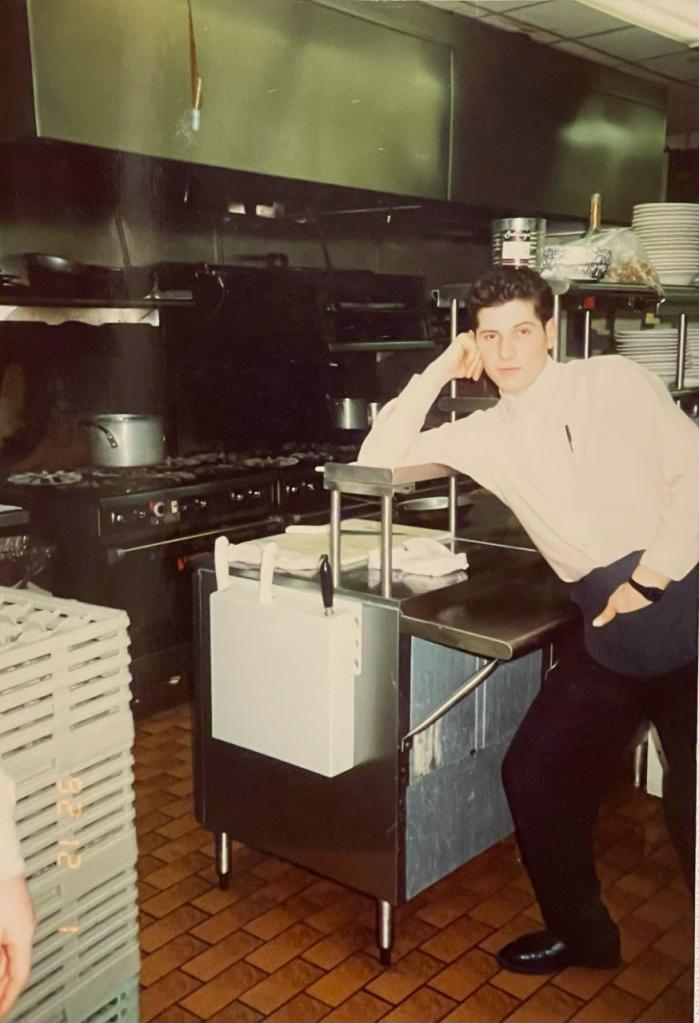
pixel 200 503
pixel 118 518
pixel 158 508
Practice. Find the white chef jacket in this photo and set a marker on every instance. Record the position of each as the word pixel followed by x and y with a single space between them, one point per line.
pixel 594 458
pixel 11 864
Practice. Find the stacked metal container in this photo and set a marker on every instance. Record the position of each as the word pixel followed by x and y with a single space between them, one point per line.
pixel 66 733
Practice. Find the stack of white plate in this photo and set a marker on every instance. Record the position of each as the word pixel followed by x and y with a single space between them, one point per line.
pixel 670 235
pixel 657 350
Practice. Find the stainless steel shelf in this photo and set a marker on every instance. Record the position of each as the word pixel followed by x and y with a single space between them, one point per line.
pixel 381 346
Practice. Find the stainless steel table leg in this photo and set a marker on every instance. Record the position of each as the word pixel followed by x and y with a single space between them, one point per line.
pixel 384 931
pixel 223 859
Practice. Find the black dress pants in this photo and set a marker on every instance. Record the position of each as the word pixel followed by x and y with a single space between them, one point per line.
pixel 572 742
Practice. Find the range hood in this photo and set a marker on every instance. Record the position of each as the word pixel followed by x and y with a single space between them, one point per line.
pixel 391 97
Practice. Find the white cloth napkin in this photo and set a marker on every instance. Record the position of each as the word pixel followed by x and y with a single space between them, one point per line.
pixel 422 556
pixel 287 561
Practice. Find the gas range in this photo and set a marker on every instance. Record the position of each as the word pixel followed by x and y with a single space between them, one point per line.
pixel 182 493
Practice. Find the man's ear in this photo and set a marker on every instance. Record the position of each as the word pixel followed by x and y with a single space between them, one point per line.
pixel 551 330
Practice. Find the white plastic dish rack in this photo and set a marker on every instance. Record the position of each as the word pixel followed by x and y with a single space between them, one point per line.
pixel 74 973
pixel 66 733
pixel 64 682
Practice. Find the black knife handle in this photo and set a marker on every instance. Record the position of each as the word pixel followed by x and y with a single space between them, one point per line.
pixel 326 583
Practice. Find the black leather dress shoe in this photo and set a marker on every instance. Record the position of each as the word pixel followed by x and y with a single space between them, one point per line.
pixel 542 952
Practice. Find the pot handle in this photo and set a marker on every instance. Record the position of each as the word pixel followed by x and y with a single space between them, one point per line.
pixel 98 426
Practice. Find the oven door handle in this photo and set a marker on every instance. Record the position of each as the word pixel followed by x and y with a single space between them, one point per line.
pixel 115 554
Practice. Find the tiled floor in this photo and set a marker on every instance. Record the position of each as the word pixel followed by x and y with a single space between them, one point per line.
pixel 284 944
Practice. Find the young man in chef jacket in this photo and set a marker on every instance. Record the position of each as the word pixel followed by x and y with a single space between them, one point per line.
pixel 16 913
pixel 602 469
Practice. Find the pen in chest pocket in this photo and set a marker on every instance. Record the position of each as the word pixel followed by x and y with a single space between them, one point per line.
pixel 569 437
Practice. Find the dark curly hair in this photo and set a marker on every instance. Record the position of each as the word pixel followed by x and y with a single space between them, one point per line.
pixel 505 283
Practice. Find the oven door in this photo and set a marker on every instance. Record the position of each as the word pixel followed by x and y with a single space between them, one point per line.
pixel 151 581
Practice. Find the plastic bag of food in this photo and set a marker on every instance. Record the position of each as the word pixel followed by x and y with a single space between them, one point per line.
pixel 616 256
pixel 629 263
pixel 578 260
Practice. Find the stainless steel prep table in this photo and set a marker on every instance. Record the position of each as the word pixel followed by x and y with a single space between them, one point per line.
pixel 425 794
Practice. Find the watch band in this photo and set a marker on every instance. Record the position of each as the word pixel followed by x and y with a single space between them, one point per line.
pixel 651 593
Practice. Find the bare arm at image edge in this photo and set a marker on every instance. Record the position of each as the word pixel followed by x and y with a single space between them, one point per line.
pixel 16 912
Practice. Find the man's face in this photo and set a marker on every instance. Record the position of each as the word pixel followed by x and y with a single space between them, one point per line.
pixel 513 344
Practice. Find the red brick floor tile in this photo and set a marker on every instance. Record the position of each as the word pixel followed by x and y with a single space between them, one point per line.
pixel 164 992
pixel 331 950
pixel 446 908
pixel 500 907
pixel 678 942
pixel 462 977
pixel 268 925
pixel 175 1014
pixel 424 1006
pixel 636 936
pixel 360 1008
pixel 685 981
pixel 183 919
pixel 221 924
pixel 520 985
pixel 648 975
pixel 170 956
pixel 236 1012
pixel 664 908
pixel 282 985
pixel 455 939
pixel 183 891
pixel 286 946
pixel 585 983
pixel 301 1009
pixel 487 1003
pixel 341 982
pixel 176 848
pixel 398 982
pixel 547 1005
pixel 165 876
pixel 343 909
pixel 214 959
pixel 216 899
pixel 226 987
pixel 611 1005
pixel 673 1006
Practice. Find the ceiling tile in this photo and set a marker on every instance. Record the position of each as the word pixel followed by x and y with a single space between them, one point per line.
pixel 641 72
pixel 506 22
pixel 684 66
pixel 539 36
pixel 580 50
pixel 503 6
pixel 471 10
pixel 567 18
pixel 633 43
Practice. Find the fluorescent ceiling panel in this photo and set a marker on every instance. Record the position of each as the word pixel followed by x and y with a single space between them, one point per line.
pixel 674 19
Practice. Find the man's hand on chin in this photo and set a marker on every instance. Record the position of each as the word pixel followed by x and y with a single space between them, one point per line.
pixel 16 935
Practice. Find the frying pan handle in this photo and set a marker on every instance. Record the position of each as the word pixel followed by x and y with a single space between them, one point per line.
pixel 98 426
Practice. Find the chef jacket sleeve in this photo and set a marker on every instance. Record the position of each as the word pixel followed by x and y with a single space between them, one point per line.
pixel 646 408
pixel 396 438
pixel 11 864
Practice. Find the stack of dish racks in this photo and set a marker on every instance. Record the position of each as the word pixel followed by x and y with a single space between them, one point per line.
pixel 66 733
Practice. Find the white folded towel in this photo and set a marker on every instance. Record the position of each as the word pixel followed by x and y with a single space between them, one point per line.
pixel 422 556
pixel 287 561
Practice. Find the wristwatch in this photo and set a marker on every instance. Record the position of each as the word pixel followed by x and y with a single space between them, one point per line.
pixel 651 593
